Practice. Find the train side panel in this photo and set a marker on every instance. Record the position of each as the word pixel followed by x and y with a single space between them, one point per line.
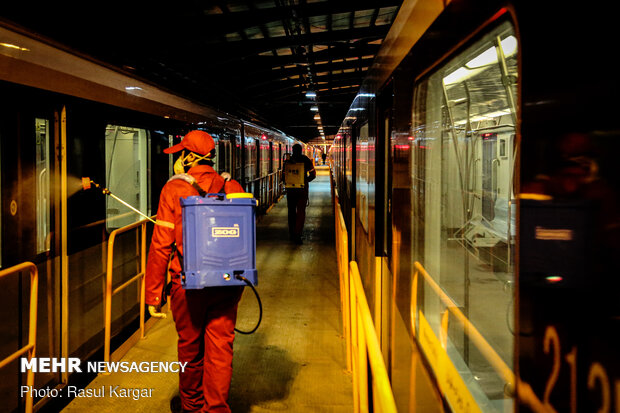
pixel 500 190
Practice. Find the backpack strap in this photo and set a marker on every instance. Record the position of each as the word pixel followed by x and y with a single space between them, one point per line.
pixel 192 181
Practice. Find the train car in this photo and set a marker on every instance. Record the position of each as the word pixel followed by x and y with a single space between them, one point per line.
pixel 264 152
pixel 477 179
pixel 65 116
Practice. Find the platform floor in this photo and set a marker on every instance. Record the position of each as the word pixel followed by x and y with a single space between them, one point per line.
pixel 295 362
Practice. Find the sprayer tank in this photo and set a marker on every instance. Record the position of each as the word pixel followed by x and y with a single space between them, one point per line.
pixel 219 241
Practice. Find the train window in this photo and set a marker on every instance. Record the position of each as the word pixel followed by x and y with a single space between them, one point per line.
pixel 264 157
pixel 42 166
pixel 127 157
pixel 271 157
pixel 170 158
pixel 238 158
pixel 464 119
pixel 218 152
pixel 278 161
pixel 223 156
pixel 362 176
pixel 250 159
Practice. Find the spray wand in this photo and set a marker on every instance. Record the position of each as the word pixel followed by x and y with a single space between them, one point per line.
pixel 86 184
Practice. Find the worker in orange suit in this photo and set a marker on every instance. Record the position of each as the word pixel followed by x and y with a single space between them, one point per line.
pixel 205 319
pixel 297 195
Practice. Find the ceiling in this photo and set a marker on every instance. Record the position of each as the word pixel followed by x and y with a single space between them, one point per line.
pixel 255 58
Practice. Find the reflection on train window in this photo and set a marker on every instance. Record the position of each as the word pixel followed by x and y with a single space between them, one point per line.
pixel 276 157
pixel 250 157
pixel 464 120
pixel 264 157
pixel 127 161
pixel 362 185
pixel 42 165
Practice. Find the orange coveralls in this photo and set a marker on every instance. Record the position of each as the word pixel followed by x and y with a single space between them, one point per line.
pixel 205 319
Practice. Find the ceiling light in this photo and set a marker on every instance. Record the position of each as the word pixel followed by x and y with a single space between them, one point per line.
pixel 314 108
pixel 478 63
pixel 317 117
pixel 509 47
pixel 310 94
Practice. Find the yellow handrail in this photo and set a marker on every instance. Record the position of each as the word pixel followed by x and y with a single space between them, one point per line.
pixel 372 346
pixel 342 254
pixel 362 343
pixel 485 348
pixel 32 328
pixel 109 277
pixel 524 390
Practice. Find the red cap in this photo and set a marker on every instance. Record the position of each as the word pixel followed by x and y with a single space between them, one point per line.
pixel 196 141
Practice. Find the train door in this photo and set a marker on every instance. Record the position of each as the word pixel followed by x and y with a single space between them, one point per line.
pixel 28 227
pixel 383 240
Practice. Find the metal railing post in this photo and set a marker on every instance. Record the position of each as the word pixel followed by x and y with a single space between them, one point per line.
pixel 109 292
pixel 371 351
pixel 142 279
pixel 29 348
pixel 108 298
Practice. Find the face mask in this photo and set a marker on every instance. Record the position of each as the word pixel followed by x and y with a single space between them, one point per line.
pixel 178 167
pixel 188 161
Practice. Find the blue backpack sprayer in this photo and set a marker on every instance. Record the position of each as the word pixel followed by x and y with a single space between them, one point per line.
pixel 219 239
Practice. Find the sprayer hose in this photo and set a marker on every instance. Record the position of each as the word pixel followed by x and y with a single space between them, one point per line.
pixel 260 305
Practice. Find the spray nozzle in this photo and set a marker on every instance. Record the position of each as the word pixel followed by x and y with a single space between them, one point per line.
pixel 87 183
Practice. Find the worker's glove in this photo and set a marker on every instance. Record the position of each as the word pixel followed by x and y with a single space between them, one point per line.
pixel 226 176
pixel 155 311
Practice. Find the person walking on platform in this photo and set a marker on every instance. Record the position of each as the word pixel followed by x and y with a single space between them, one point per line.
pixel 298 172
pixel 205 319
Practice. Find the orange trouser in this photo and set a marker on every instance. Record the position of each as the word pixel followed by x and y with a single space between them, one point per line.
pixel 296 201
pixel 205 321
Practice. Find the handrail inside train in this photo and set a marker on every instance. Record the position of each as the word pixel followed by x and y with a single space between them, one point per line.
pixel 524 389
